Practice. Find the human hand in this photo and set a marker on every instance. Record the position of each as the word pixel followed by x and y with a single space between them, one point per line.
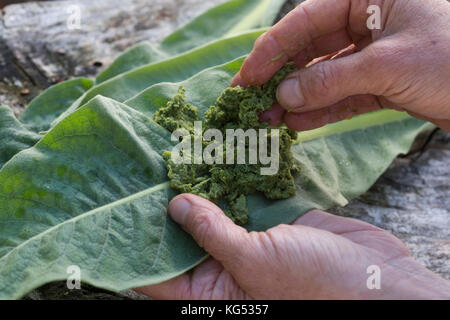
pixel 320 256
pixel 403 66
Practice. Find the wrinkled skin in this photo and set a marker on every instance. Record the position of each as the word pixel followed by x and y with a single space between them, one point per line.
pixel 403 66
pixel 320 256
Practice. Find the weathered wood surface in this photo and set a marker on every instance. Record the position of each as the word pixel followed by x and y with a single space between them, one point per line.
pixel 38 49
pixel 412 199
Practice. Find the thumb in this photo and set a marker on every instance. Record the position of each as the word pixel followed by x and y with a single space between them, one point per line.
pixel 211 229
pixel 327 82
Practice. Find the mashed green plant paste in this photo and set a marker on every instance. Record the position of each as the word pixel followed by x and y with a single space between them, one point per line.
pixel 225 184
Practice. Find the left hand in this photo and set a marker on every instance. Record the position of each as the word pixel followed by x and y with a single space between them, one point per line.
pixel 320 256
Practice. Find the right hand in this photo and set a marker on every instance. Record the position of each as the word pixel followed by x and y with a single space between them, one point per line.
pixel 403 66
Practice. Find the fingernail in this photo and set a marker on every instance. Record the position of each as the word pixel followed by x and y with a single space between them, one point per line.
pixel 178 209
pixel 273 116
pixel 237 81
pixel 289 94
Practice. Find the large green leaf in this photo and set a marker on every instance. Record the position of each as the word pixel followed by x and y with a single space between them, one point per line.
pixel 50 104
pixel 59 101
pixel 339 161
pixel 93 192
pixel 14 137
pixel 227 19
pixel 202 89
pixel 181 67
pixel 230 18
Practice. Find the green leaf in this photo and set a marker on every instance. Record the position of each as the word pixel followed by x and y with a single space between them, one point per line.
pixel 137 56
pixel 231 18
pixel 52 102
pixel 202 89
pixel 181 67
pixel 93 192
pixel 339 161
pixel 14 137
pixel 57 102
pixel 227 19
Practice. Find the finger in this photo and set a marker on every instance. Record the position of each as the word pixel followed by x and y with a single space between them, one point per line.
pixel 273 116
pixel 296 32
pixel 344 109
pixel 323 46
pixel 325 221
pixel 355 230
pixel 184 286
pixel 327 47
pixel 237 81
pixel 211 228
pixel 441 123
pixel 174 289
pixel 328 82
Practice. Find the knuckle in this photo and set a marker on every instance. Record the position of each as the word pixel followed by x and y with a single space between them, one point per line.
pixel 385 60
pixel 269 239
pixel 202 225
pixel 383 54
pixel 255 236
pixel 271 245
pixel 376 55
pixel 279 228
pixel 260 40
pixel 321 82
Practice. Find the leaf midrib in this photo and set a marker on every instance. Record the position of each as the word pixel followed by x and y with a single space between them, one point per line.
pixel 132 197
pixel 254 15
pixel 358 123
